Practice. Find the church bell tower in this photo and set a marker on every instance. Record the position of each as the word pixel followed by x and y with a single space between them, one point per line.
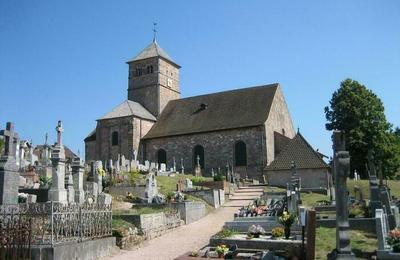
pixel 153 79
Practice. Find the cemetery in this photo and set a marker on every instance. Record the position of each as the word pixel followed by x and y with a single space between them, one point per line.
pixel 205 172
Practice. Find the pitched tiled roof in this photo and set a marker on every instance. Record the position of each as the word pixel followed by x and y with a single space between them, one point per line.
pixel 129 108
pixel 219 111
pixel 91 136
pixel 152 50
pixel 300 151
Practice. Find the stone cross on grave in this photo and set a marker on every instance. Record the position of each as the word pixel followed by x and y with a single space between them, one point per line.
pixel 341 168
pixel 59 130
pixel 9 176
pixel 11 140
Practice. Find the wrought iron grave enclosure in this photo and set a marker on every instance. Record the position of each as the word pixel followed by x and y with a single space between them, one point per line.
pixel 54 223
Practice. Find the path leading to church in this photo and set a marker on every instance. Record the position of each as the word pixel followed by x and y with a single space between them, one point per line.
pixel 193 236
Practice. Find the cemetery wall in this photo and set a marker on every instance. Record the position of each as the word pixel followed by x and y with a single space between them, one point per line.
pixel 310 178
pixel 214 197
pixel 153 225
pixel 190 211
pixel 218 149
pixel 85 250
pixel 278 120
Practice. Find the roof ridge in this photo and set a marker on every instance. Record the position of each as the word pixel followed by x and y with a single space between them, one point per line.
pixel 129 105
pixel 231 91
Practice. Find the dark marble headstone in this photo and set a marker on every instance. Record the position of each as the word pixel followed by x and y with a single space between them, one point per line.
pixel 375 202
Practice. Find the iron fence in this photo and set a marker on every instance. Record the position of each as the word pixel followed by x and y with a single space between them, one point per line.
pixel 53 223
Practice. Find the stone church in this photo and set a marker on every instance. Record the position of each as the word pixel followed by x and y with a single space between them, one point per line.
pixel 236 128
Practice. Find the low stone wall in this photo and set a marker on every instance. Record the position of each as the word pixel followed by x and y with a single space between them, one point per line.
pixel 363 224
pixel 153 225
pixel 86 250
pixel 229 188
pixel 190 211
pixel 215 198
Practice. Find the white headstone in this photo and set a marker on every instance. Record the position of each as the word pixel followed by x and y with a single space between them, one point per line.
pixel 163 167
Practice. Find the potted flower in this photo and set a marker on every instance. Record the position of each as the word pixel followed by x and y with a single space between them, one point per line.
pixel 393 240
pixel 287 220
pixel 256 231
pixel 277 232
pixel 222 250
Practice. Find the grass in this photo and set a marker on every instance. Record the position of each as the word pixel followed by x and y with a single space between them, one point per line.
pixel 148 209
pixel 309 199
pixel 168 184
pixel 364 186
pixel 119 225
pixel 325 241
pixel 274 189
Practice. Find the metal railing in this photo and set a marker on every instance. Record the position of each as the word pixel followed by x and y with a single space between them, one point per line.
pixel 53 223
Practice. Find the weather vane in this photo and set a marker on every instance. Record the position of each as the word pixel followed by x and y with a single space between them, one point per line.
pixel 154 31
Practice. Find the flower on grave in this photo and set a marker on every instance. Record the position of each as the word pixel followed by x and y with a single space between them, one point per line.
pixel 277 232
pixel 287 219
pixel 393 239
pixel 256 230
pixel 101 171
pixel 222 249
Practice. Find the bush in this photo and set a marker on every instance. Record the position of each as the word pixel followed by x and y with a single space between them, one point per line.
pixel 224 233
pixel 356 211
pixel 198 179
pixel 133 177
pixel 219 177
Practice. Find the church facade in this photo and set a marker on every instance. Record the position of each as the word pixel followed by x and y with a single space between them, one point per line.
pixel 236 128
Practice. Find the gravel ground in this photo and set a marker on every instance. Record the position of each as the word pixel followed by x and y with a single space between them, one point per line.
pixel 189 237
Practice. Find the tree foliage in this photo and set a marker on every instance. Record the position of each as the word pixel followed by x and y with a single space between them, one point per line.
pixel 358 112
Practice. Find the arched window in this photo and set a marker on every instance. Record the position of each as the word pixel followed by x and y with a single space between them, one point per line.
pixel 114 138
pixel 240 154
pixel 161 156
pixel 149 69
pixel 198 151
pixel 138 72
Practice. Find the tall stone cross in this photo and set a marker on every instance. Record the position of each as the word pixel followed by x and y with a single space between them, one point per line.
pixel 375 202
pixel 59 130
pixel 11 139
pixel 341 167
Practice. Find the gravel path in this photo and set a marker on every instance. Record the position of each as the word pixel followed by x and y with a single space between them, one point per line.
pixel 190 237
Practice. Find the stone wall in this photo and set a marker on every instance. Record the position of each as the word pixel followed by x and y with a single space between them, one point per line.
pixel 190 211
pixel 279 120
pixel 85 250
pixel 214 197
pixel 130 130
pixel 218 149
pixel 310 178
pixel 153 225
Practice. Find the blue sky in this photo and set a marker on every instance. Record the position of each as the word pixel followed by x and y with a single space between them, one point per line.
pixel 66 59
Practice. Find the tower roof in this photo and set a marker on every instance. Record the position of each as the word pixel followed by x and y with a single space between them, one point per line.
pixel 153 50
pixel 129 108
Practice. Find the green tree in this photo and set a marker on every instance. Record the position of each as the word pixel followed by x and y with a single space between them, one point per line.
pixel 358 112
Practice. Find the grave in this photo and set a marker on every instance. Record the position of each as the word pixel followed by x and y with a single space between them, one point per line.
pixel 384 252
pixel 57 192
pixel 77 174
pixel 151 187
pixel 9 177
pixel 341 169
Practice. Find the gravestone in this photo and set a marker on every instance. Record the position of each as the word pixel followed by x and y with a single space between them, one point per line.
pixel 92 189
pixel 197 170
pixel 212 172
pixel 188 184
pixel 9 176
pixel 151 187
pixel 98 178
pixel 70 188
pixel 341 168
pixel 182 167
pixel 57 192
pixel 77 173
pixel 163 167
pixel 375 202
pixel 173 165
pixel 384 251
